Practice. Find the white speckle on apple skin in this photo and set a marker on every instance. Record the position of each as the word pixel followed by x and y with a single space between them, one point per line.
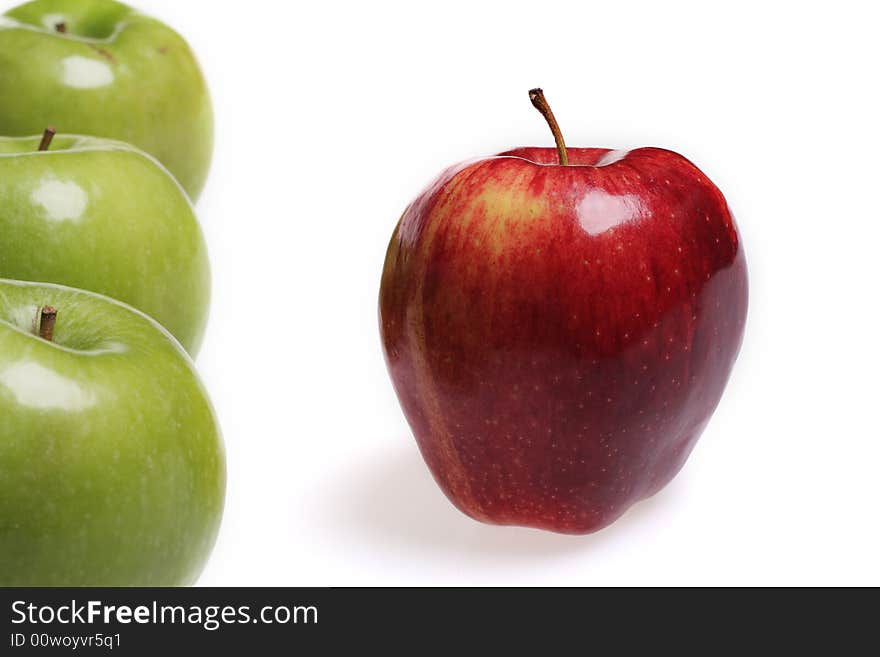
pixel 85 73
pixel 60 200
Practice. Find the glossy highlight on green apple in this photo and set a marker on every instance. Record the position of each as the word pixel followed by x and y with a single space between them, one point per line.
pixel 112 469
pixel 99 67
pixel 103 216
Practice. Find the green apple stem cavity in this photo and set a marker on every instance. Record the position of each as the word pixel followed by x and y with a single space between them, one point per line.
pixel 61 28
pixel 46 141
pixel 541 104
pixel 46 322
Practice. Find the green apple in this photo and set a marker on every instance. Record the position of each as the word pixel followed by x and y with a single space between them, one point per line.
pixel 98 67
pixel 112 470
pixel 102 216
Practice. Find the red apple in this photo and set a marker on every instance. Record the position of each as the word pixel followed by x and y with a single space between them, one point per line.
pixel 559 334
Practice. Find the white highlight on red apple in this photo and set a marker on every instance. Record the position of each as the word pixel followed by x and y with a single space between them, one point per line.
pixel 611 157
pixel 598 210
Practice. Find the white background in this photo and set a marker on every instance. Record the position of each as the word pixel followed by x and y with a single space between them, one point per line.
pixel 332 116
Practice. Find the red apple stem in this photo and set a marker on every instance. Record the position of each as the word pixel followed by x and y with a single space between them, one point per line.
pixel 48 134
pixel 61 28
pixel 541 104
pixel 48 314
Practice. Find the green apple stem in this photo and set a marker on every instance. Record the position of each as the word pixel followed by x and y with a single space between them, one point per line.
pixel 48 314
pixel 541 104
pixel 61 28
pixel 48 134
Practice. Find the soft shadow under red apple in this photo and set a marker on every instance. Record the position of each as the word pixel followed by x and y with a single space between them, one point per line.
pixel 393 504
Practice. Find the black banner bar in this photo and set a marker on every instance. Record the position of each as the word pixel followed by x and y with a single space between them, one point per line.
pixel 152 621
